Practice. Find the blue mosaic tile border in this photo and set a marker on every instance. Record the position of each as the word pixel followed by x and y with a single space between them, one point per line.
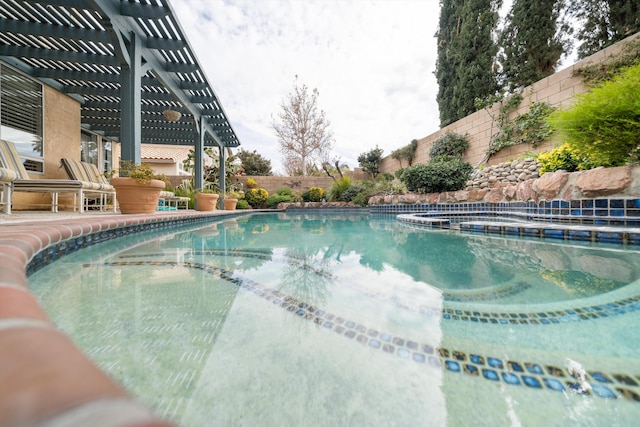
pixel 66 247
pixel 602 211
pixel 514 373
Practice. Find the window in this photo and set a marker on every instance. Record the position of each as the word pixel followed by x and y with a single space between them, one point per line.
pixel 89 148
pixel 21 118
pixel 96 150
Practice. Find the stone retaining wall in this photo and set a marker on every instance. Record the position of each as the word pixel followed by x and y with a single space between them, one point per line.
pixel 620 182
pixel 506 173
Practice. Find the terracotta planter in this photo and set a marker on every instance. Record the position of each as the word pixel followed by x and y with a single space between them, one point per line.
pixel 230 204
pixel 206 201
pixel 136 198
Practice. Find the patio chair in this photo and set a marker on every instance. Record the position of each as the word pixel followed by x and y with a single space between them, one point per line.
pixel 101 192
pixel 10 159
pixel 7 176
pixel 171 202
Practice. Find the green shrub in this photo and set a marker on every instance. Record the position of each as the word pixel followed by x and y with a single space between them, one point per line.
pixel 242 204
pixel 449 144
pixel 256 196
pixel 350 193
pixel 361 199
pixel 563 157
pixel 273 200
pixel 399 172
pixel 443 173
pixel 284 191
pixel 604 123
pixel 339 187
pixel 314 194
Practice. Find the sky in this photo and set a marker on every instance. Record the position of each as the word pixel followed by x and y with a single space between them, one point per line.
pixel 372 62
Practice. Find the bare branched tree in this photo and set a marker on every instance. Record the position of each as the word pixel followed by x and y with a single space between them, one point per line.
pixel 302 130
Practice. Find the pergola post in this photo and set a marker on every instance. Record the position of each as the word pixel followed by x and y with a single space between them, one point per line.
pixel 131 99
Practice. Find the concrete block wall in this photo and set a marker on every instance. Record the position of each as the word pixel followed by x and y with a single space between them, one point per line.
pixel 558 90
pixel 295 183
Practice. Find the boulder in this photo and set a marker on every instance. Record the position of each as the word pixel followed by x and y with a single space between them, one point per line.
pixel 548 186
pixel 603 182
pixel 476 195
pixel 524 190
pixel 495 195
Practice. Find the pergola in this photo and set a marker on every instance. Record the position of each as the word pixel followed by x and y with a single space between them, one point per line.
pixel 128 63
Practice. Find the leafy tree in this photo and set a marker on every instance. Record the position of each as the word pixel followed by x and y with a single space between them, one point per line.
pixel 532 42
pixel 466 56
pixel 302 130
pixel 370 161
pixel 253 163
pixel 603 22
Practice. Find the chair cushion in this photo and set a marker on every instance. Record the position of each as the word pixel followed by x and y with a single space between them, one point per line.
pixel 82 171
pixel 8 175
pixel 10 159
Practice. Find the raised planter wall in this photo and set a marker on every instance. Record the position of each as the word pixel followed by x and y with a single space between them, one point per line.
pixel 621 182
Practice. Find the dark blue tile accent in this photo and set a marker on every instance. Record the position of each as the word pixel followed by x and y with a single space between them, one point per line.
pixel 553 384
pixel 616 203
pixel 602 203
pixel 553 233
pixel 490 374
pixel 452 366
pixel 583 235
pixel 403 353
pixel 471 370
pixel 531 381
pixel 604 392
pixel 603 236
pixel 510 378
pixel 600 377
pixel 495 363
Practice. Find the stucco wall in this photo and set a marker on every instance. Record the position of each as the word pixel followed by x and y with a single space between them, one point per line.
pixel 558 90
pixel 61 139
pixel 296 183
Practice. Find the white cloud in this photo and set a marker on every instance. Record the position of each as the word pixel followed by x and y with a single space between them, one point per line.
pixel 372 62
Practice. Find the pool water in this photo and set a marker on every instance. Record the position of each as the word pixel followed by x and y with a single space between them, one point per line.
pixel 355 320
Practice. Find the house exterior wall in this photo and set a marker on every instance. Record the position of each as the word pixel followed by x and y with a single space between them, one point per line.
pixel 558 90
pixel 61 139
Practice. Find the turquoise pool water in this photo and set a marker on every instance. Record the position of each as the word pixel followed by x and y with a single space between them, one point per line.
pixel 326 320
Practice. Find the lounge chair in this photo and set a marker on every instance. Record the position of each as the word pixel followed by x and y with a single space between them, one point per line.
pixel 7 176
pixel 171 202
pixel 101 192
pixel 10 159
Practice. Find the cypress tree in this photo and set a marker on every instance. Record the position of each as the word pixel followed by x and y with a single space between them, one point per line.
pixel 603 22
pixel 531 42
pixel 466 56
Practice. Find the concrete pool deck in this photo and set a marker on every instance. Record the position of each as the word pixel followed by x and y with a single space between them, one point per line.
pixel 44 378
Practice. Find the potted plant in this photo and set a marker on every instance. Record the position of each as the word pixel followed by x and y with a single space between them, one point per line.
pixel 251 183
pixel 137 187
pixel 206 197
pixel 231 199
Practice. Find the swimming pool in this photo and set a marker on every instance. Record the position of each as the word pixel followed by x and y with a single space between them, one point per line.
pixel 317 319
